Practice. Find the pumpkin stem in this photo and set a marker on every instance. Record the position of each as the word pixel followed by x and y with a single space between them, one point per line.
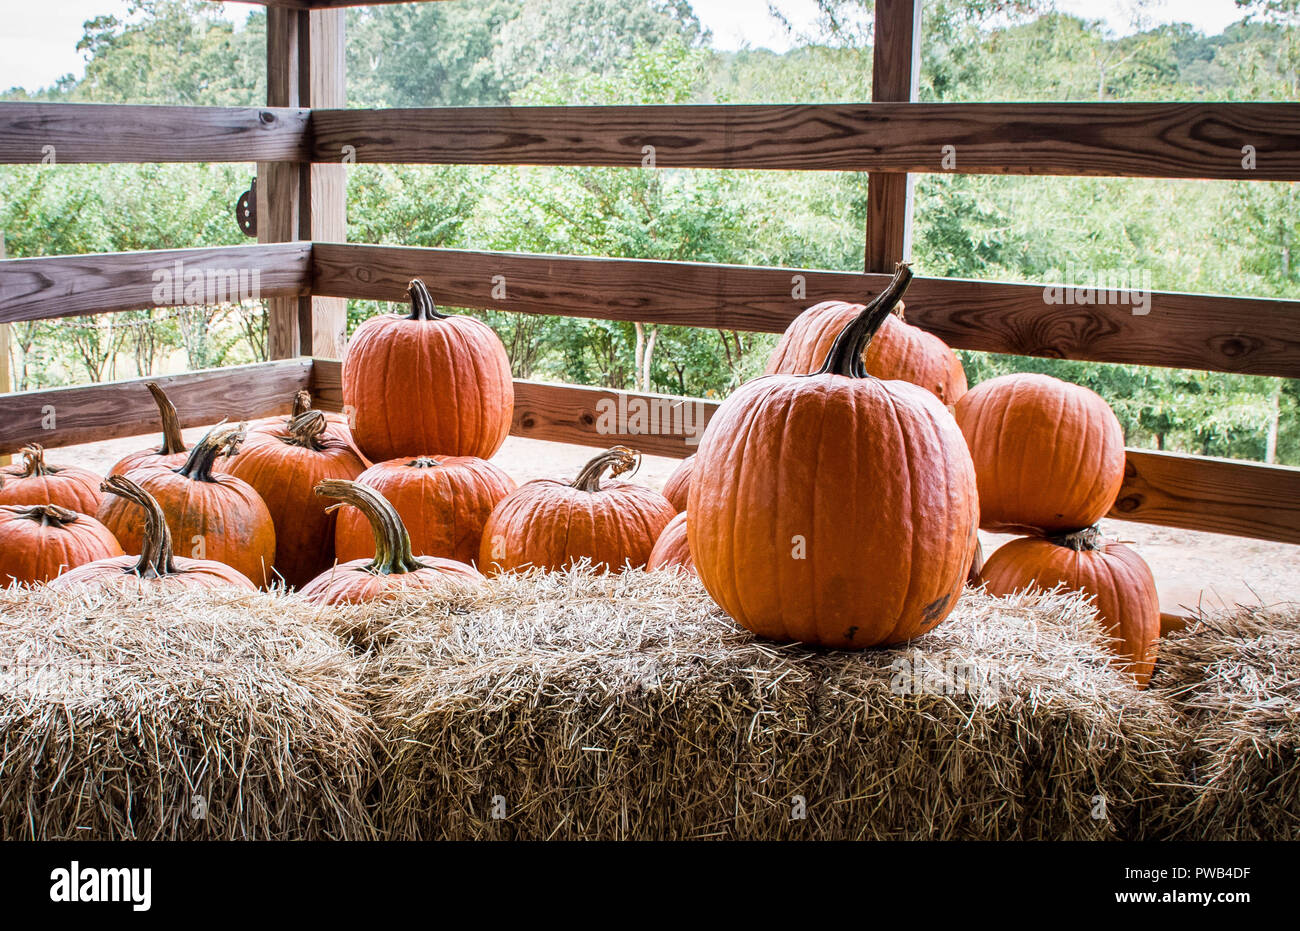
pixel 424 462
pixel 47 515
pixel 392 542
pixel 1085 540
pixel 156 559
pixel 306 430
pixel 34 462
pixel 845 356
pixel 220 439
pixel 301 403
pixel 173 442
pixel 618 459
pixel 422 305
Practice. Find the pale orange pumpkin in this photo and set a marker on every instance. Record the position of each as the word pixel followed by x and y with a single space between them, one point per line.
pixel 678 486
pixel 672 549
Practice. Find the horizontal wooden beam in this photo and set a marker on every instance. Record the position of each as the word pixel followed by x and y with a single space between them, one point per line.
pixel 1250 141
pixel 1249 335
pixel 68 133
pixel 90 413
pixel 68 285
pixel 1216 495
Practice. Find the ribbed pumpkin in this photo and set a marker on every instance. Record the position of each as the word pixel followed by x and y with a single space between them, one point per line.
pixel 672 549
pixel 336 424
pixel 551 525
pixel 156 564
pixel 392 569
pixel 427 383
pixel 35 481
pixel 39 541
pixel 898 350
pixel 678 485
pixel 284 466
pixel 444 503
pixel 1049 455
pixel 216 516
pixel 835 508
pixel 172 453
pixel 1117 578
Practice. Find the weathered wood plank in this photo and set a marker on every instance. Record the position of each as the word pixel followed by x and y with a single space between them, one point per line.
pixel 1148 140
pixel 70 133
pixel 87 414
pixel 895 74
pixel 328 182
pixel 68 285
pixel 1217 495
pixel 1250 335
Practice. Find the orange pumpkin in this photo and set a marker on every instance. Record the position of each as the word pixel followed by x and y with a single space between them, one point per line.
pixel 427 383
pixel 34 481
pixel 444 503
pixel 672 549
pixel 156 565
pixel 1049 455
pixel 678 485
pixel 336 425
pixel 172 453
pixel 1118 579
pixel 835 508
pixel 217 516
pixel 392 569
pixel 284 467
pixel 38 541
pixel 898 350
pixel 550 524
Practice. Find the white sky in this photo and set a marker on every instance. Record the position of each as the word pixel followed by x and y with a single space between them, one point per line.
pixel 39 41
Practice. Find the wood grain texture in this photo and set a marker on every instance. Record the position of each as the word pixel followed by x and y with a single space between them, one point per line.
pixel 6 376
pixel 68 285
pixel 328 182
pixel 895 74
pixel 126 408
pixel 1249 335
pixel 1216 495
pixel 1149 140
pixel 91 132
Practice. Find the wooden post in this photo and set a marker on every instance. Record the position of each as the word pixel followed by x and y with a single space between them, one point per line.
pixel 304 68
pixel 6 380
pixel 895 74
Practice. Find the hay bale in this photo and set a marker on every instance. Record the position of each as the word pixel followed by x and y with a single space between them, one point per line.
pixel 583 706
pixel 168 716
pixel 1235 679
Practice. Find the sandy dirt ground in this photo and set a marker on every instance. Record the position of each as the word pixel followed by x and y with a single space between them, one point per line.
pixel 1192 569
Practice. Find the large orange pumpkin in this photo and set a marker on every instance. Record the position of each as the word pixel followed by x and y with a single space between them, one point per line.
pixel 284 466
pixel 393 568
pixel 552 525
pixel 39 541
pixel 835 508
pixel 1117 578
pixel 444 503
pixel 35 481
pixel 898 350
pixel 1049 455
pixel 213 515
pixel 678 485
pixel 427 383
pixel 672 549
pixel 172 453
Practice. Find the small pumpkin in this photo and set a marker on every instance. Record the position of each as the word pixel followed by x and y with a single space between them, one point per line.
pixel 35 481
pixel 1118 579
pixel 898 350
pixel 1049 455
pixel 156 564
pixel 835 508
pixel 284 467
pixel 427 382
pixel 552 525
pixel 39 541
pixel 678 485
pixel 173 451
pixel 672 549
pixel 220 517
pixel 392 569
pixel 444 502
